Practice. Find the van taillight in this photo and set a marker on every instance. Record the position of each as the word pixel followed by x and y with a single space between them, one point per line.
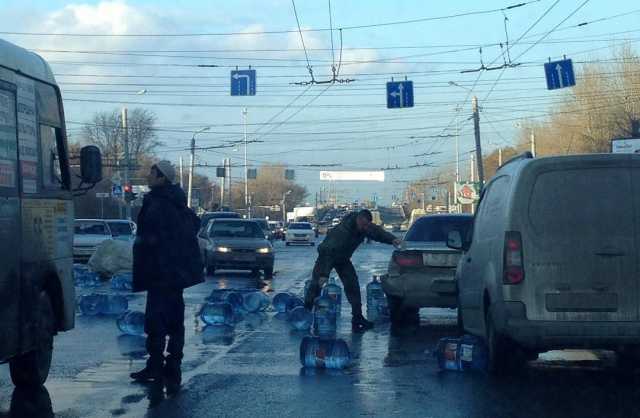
pixel 513 258
pixel 407 259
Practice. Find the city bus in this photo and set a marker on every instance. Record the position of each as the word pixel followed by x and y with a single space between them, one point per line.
pixel 37 297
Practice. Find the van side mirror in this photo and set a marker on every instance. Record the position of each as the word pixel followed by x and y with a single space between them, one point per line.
pixel 90 164
pixel 454 240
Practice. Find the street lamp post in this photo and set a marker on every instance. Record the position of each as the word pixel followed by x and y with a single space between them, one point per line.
pixel 192 163
pixel 284 206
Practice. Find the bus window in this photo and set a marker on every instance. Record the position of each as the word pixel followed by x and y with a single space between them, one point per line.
pixel 8 140
pixel 48 108
pixel 51 172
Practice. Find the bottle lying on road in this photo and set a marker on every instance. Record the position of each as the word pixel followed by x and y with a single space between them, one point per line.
pixel 324 353
pixel 461 354
pixel 217 313
pixel 255 302
pixel 131 323
pixel 97 304
pixel 300 319
pixel 280 300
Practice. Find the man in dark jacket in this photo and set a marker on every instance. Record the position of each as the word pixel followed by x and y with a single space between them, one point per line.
pixel 166 260
pixel 335 253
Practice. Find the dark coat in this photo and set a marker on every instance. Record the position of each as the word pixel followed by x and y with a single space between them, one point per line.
pixel 342 241
pixel 166 253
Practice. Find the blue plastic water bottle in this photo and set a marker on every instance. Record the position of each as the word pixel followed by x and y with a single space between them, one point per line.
pixel 280 301
pixel 218 334
pixel 293 303
pixel 300 319
pixel 255 302
pixel 93 304
pixel 324 353
pixel 334 291
pixel 123 281
pixel 325 317
pixel 131 323
pixel 115 305
pixel 235 299
pixel 217 313
pixel 377 308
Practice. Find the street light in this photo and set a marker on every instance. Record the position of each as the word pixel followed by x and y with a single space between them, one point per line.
pixel 284 206
pixel 192 163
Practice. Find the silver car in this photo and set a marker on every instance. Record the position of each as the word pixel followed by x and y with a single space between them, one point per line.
pixel 422 273
pixel 553 259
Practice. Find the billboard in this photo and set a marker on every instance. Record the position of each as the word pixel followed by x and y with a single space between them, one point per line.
pixel 352 175
pixel 625 146
pixel 467 192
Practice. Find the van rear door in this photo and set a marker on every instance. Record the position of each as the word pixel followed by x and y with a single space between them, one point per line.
pixel 580 250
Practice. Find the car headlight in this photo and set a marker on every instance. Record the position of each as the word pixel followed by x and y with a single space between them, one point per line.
pixel 223 249
pixel 265 250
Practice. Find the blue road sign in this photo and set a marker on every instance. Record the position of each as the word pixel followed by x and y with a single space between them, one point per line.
pixel 399 94
pixel 243 82
pixel 116 190
pixel 559 74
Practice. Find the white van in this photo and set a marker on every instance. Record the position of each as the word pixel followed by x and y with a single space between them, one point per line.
pixel 553 259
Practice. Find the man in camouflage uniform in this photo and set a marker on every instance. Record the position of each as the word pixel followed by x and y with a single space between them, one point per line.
pixel 335 253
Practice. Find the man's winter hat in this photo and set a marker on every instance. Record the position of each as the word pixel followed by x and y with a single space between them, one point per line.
pixel 166 168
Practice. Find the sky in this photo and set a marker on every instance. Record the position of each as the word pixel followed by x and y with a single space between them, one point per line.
pixel 339 126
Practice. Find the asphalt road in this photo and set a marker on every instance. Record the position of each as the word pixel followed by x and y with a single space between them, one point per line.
pixel 257 372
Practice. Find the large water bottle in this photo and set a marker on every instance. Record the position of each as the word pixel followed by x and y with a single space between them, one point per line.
pixel 236 300
pixel 377 308
pixel 131 323
pixel 325 317
pixel 122 281
pixel 324 353
pixel 217 313
pixel 255 302
pixel 115 305
pixel 474 354
pixel 293 303
pixel 334 291
pixel 93 304
pixel 218 334
pixel 300 319
pixel 280 301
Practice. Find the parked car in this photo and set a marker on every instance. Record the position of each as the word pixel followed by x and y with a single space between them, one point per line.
pixel 89 233
pixel 552 262
pixel 300 233
pixel 422 273
pixel 238 244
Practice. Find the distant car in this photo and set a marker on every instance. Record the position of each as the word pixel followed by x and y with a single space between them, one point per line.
pixel 300 233
pixel 276 229
pixel 238 244
pixel 264 224
pixel 89 233
pixel 422 273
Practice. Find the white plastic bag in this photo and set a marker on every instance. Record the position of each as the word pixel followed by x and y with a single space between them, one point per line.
pixel 112 257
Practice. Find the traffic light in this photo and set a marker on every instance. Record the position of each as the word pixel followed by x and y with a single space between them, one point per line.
pixel 129 195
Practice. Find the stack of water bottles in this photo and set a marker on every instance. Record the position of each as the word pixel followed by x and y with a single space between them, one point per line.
pixel 101 304
pixel 84 277
pixel 131 323
pixel 377 307
pixel 122 282
pixel 323 349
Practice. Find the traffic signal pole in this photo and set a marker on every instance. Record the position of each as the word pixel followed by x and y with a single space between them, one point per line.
pixel 127 162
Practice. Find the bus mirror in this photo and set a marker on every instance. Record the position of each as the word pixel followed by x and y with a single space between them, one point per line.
pixel 90 164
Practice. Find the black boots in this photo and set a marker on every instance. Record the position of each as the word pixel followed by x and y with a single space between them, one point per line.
pixel 360 324
pixel 172 375
pixel 148 374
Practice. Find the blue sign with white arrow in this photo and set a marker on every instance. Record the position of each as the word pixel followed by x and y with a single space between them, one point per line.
pixel 559 74
pixel 243 82
pixel 399 94
pixel 116 190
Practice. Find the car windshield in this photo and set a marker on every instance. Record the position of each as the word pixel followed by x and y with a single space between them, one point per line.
pixel 120 228
pixel 436 229
pixel 235 230
pixel 90 228
pixel 300 226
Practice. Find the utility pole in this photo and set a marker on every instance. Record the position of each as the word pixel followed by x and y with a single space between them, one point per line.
pixel 499 157
pixel 192 163
pixel 476 129
pixel 533 143
pixel 458 206
pixel 127 162
pixel 222 185
pixel 246 177
pixel 181 173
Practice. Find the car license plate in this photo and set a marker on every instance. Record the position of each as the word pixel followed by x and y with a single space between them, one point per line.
pixel 245 257
pixel 300 235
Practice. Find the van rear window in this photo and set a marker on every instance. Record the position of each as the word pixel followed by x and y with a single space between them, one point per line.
pixel 581 202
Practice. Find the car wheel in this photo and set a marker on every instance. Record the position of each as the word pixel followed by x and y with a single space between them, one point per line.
pixel 32 369
pixel 268 273
pixel 460 321
pixel 503 358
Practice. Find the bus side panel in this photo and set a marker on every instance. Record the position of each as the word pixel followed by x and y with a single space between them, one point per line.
pixel 9 277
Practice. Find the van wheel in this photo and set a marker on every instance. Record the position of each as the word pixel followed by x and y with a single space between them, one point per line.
pixel 400 314
pixel 628 359
pixel 496 347
pixel 268 273
pixel 32 369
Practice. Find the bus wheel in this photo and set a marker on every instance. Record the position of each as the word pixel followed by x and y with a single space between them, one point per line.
pixel 32 368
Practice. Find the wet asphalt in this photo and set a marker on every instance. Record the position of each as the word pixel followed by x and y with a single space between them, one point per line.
pixel 256 372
